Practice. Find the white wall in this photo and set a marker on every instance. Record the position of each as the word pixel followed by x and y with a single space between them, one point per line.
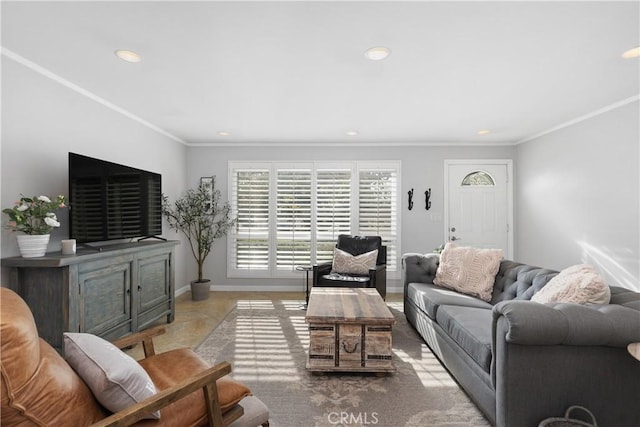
pixel 422 167
pixel 577 197
pixel 43 120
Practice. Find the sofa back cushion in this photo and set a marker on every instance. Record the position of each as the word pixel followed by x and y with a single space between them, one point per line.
pixel 38 386
pixel 356 245
pixel 517 281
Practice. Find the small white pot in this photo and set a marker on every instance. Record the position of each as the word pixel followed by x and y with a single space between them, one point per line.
pixel 33 245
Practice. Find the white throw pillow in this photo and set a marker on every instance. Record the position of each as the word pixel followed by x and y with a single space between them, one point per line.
pixel 115 378
pixel 345 263
pixel 580 284
pixel 468 270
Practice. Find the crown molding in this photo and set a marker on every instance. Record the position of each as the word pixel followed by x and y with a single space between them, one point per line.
pixel 587 116
pixel 74 87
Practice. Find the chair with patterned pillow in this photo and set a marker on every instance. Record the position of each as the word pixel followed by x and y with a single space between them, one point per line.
pixel 99 385
pixel 358 262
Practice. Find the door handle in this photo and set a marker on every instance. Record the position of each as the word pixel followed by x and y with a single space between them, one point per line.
pixel 454 238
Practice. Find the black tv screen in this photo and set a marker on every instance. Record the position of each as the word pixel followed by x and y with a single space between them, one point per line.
pixel 111 201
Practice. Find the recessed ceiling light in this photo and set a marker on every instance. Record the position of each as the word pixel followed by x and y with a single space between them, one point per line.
pixel 224 133
pixel 128 55
pixel 632 53
pixel 484 132
pixel 377 53
pixel 352 133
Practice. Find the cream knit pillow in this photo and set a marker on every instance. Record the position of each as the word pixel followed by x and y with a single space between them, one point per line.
pixel 468 270
pixel 580 284
pixel 345 263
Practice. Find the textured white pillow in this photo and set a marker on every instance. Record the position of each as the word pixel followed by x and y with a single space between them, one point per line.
pixel 580 284
pixel 115 378
pixel 468 270
pixel 345 263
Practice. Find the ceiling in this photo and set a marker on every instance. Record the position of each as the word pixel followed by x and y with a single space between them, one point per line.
pixel 295 72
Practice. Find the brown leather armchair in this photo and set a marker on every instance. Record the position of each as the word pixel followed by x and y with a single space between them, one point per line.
pixel 323 274
pixel 40 388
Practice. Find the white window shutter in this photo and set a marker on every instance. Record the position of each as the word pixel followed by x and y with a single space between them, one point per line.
pixel 293 218
pixel 333 210
pixel 250 202
pixel 377 210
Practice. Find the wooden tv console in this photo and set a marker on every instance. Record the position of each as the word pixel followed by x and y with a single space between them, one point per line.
pixel 111 292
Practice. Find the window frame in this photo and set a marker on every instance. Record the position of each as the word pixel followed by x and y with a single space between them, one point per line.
pixel 355 167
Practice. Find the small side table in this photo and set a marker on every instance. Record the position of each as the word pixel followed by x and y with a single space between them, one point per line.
pixel 306 269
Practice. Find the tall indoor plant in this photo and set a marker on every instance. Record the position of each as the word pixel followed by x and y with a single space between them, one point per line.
pixel 203 219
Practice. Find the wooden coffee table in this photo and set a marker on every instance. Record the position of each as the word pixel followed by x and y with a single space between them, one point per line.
pixel 349 330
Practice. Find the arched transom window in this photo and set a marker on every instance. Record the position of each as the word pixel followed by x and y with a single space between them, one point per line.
pixel 478 178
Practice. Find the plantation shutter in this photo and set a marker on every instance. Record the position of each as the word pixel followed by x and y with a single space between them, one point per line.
pixel 250 202
pixel 291 213
pixel 333 210
pixel 377 213
pixel 293 218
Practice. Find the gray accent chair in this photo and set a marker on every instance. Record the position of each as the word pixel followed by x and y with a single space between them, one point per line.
pixel 522 362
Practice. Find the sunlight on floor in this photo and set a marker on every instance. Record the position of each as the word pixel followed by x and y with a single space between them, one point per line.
pixel 262 352
pixel 428 369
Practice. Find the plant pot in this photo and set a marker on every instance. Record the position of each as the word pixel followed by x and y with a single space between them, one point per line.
pixel 33 245
pixel 200 290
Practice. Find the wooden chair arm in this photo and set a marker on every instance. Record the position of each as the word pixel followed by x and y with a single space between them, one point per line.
pixel 205 380
pixel 145 337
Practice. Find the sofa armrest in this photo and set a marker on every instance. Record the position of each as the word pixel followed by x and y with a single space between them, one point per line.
pixel 531 323
pixel 206 380
pixel 420 268
pixel 546 357
pixel 320 270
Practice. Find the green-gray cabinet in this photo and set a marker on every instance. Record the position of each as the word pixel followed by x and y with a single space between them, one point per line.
pixel 113 292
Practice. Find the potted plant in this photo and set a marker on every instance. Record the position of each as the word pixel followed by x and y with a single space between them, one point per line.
pixel 36 218
pixel 200 216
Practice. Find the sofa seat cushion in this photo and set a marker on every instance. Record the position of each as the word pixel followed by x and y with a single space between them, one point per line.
pixel 191 410
pixel 470 328
pixel 429 297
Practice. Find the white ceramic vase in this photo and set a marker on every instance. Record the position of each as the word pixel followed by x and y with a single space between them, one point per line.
pixel 33 245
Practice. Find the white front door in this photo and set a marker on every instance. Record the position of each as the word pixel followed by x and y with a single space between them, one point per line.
pixel 479 204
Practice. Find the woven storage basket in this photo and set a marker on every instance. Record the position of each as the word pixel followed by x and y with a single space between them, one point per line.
pixel 569 422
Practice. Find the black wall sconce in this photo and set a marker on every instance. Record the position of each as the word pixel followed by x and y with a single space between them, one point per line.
pixel 427 197
pixel 410 199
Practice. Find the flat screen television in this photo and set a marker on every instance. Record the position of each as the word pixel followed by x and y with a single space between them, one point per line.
pixel 110 201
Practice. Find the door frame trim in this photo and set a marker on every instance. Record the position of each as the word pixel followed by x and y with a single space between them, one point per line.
pixel 505 162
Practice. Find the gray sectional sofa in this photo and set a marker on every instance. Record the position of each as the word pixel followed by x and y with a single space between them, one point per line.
pixel 522 362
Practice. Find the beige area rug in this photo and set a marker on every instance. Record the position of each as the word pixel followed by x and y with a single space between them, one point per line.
pixel 266 343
